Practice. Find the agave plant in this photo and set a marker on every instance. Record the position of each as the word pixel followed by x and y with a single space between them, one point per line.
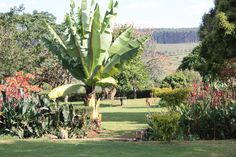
pixel 88 51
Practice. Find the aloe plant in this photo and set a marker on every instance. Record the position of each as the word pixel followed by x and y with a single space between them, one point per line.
pixel 88 51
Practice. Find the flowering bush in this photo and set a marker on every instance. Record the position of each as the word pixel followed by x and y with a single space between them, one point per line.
pixel 22 113
pixel 210 113
pixel 17 88
pixel 214 94
pixel 17 106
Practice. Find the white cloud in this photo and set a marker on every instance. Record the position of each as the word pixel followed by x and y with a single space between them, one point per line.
pixel 201 7
pixel 4 5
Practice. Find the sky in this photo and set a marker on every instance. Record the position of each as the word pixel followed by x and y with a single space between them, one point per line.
pixel 140 13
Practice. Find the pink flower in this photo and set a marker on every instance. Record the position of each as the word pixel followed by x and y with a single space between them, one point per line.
pixel 14 105
pixel 219 93
pixel 194 85
pixel 193 94
pixel 207 87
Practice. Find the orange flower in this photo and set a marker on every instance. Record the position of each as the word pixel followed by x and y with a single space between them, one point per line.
pixel 29 76
pixel 20 73
pixel 2 87
pixel 16 83
pixel 35 88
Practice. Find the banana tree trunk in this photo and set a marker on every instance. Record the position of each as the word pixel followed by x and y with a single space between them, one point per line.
pixel 92 101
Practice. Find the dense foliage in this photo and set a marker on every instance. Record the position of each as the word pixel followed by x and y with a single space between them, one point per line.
pixel 21 46
pixel 193 61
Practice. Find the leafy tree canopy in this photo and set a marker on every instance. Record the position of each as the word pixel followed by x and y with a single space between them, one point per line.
pixel 134 74
pixel 21 46
pixel 180 79
pixel 218 36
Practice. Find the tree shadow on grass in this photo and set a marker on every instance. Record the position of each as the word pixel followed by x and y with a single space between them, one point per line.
pixel 156 106
pixel 130 134
pixel 110 105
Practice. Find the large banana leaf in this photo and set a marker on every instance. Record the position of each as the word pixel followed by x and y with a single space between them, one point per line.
pixel 71 24
pixel 125 52
pixel 122 40
pixel 88 52
pixel 106 29
pixel 65 90
pixel 94 46
pixel 123 46
pixel 107 82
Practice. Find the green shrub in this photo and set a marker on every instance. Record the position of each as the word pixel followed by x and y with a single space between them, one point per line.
pixel 75 119
pixel 172 97
pixel 180 79
pixel 163 126
pixel 22 120
pixel 175 80
pixel 28 118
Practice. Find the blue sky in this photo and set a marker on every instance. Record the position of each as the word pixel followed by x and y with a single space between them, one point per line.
pixel 141 13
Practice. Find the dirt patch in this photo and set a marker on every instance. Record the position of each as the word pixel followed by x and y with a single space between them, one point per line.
pixel 92 134
pixel 6 142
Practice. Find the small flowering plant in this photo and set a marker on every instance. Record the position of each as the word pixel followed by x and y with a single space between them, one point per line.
pixel 213 94
pixel 210 113
pixel 17 88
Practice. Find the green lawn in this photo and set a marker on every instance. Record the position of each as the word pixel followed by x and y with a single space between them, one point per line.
pixel 40 148
pixel 118 121
pixel 123 121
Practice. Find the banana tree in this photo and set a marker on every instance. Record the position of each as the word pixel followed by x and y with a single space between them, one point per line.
pixel 88 50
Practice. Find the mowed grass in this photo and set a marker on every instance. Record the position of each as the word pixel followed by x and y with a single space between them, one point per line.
pixel 118 121
pixel 40 148
pixel 123 121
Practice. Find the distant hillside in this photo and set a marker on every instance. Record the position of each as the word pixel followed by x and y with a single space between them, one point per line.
pixel 165 51
pixel 173 35
pixel 164 59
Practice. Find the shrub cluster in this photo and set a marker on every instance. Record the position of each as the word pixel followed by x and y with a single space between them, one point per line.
pixel 207 111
